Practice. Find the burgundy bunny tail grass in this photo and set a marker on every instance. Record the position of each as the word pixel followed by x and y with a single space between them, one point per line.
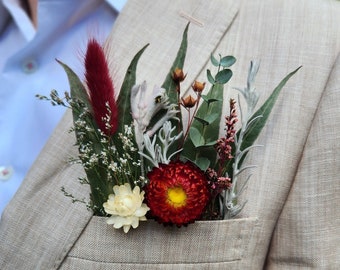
pixel 101 89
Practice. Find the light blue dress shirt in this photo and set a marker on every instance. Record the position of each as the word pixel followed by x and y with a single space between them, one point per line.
pixel 28 67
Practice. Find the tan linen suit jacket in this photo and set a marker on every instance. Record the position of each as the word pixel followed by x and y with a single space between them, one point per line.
pixel 291 219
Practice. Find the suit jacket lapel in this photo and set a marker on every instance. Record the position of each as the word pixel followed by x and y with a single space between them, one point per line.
pixel 162 25
pixel 46 221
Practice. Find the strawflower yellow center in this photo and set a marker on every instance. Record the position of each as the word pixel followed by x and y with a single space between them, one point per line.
pixel 177 197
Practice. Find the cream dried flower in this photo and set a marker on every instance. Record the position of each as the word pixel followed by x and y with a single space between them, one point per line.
pixel 126 207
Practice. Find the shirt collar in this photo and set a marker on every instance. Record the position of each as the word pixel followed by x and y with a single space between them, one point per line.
pixel 12 8
pixel 116 4
pixel 4 17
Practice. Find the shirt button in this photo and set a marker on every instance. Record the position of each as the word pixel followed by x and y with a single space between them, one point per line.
pixel 6 172
pixel 29 66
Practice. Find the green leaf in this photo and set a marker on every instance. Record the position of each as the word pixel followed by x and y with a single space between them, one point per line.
pixel 203 163
pixel 214 61
pixel 208 119
pixel 96 177
pixel 264 111
pixel 223 76
pixel 78 92
pixel 210 77
pixel 124 110
pixel 209 132
pixel 196 137
pixel 202 121
pixel 211 100
pixel 123 102
pixel 77 88
pixel 169 84
pixel 228 61
pixel 210 143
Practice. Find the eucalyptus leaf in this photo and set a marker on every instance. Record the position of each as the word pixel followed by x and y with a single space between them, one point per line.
pixel 214 61
pixel 210 131
pixel 223 76
pixel 192 154
pixel 210 77
pixel 210 100
pixel 203 163
pixel 210 143
pixel 189 152
pixel 202 121
pixel 196 137
pixel 210 118
pixel 227 61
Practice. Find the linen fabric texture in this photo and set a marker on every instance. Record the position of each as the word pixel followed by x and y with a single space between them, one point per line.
pixel 291 219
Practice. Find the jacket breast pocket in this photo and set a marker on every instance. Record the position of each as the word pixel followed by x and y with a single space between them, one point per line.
pixel 202 245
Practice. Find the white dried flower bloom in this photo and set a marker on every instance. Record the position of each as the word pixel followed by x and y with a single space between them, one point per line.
pixel 126 207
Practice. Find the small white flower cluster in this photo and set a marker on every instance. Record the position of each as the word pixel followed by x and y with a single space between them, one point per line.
pixel 127 139
pixel 107 118
pixel 88 158
pixel 119 162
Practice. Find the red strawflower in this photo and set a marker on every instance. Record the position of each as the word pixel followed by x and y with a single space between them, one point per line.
pixel 101 89
pixel 177 193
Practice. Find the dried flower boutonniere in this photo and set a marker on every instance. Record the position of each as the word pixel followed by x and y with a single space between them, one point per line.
pixel 142 160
